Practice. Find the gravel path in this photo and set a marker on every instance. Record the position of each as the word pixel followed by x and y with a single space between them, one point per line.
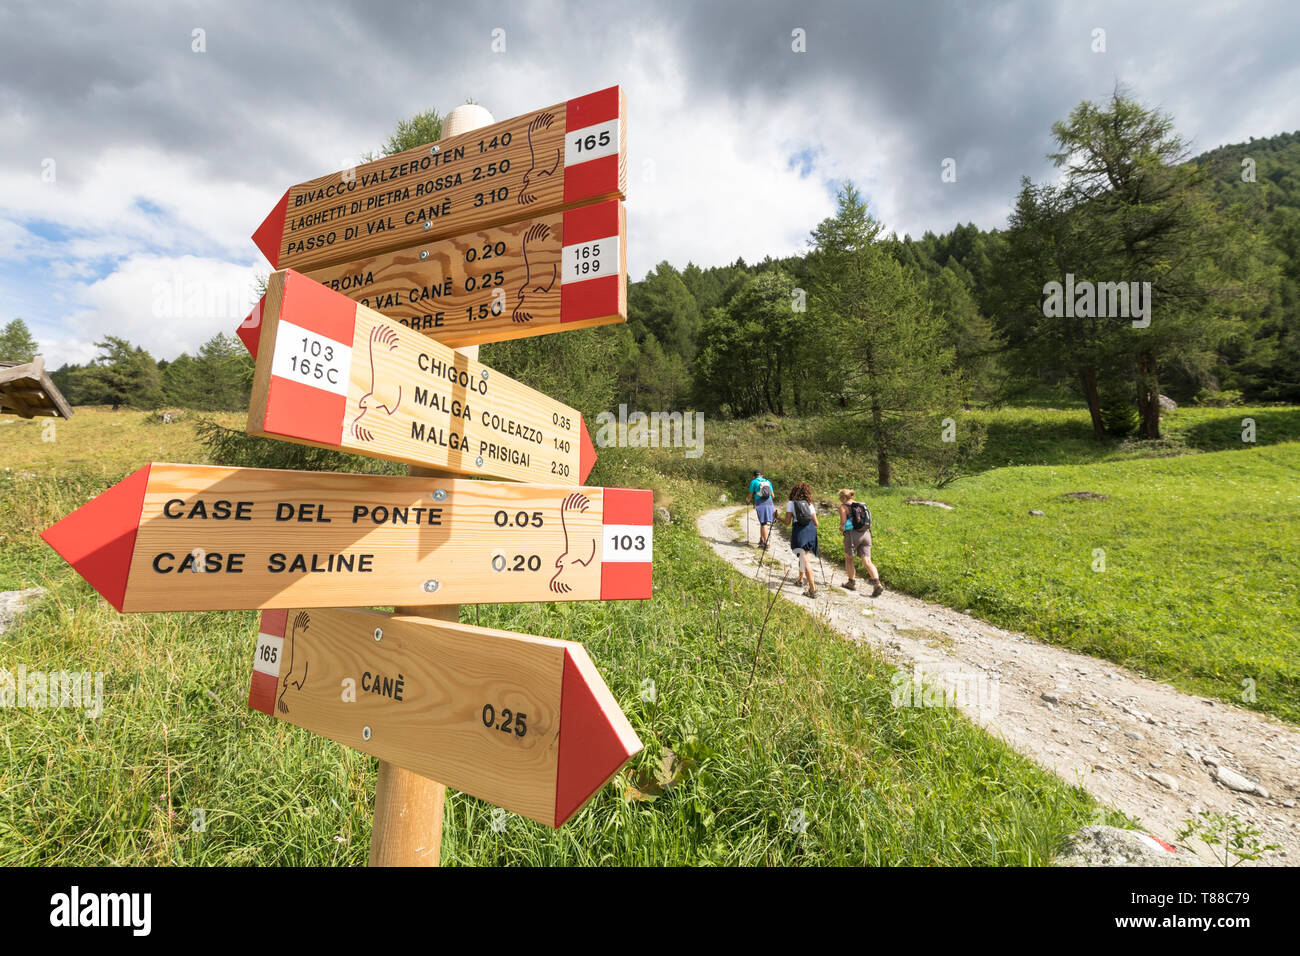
pixel 1156 753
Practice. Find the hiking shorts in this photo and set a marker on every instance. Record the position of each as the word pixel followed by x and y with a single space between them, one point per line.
pixel 765 511
pixel 803 538
pixel 858 543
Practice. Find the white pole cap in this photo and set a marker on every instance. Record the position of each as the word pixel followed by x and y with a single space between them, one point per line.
pixel 462 119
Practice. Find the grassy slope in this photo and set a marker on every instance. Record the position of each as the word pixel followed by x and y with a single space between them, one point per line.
pixel 1199 556
pixel 877 784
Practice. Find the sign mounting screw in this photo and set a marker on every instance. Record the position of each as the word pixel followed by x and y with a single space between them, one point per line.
pixel 379 634
pixel 431 586
pixel 365 733
pixel 440 494
pixel 434 150
pixel 484 374
pixel 479 461
pixel 428 224
pixel 424 254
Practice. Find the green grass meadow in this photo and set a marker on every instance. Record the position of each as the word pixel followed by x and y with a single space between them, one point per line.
pixel 820 769
pixel 812 765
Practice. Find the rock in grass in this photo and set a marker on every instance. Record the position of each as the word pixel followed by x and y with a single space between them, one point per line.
pixel 13 602
pixel 1235 781
pixel 1112 846
pixel 663 515
pixel 1036 513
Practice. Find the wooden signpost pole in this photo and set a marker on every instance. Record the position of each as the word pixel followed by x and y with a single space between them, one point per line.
pixel 407 829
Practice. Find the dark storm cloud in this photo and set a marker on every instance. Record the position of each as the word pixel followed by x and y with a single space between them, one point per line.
pixel 983 82
pixel 895 87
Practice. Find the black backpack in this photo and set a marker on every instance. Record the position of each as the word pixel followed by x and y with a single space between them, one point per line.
pixel 803 512
pixel 860 516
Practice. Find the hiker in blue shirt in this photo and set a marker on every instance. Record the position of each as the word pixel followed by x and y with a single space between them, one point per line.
pixel 760 495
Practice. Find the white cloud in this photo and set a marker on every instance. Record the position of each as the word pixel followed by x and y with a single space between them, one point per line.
pixel 167 304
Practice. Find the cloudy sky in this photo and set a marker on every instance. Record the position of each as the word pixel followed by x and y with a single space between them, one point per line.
pixel 133 169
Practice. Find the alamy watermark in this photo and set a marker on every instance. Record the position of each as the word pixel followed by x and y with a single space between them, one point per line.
pixel 1101 300
pixel 944 684
pixel 190 297
pixel 651 430
pixel 42 689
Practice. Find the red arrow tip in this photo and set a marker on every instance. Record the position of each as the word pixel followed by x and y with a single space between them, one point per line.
pixel 250 330
pixel 595 738
pixel 271 231
pixel 586 451
pixel 98 538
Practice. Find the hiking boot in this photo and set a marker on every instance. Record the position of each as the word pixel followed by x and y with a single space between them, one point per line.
pixel 851 584
pixel 876 589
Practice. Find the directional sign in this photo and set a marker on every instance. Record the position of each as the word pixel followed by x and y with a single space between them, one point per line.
pixel 523 722
pixel 565 270
pixel 335 374
pixel 565 155
pixel 204 538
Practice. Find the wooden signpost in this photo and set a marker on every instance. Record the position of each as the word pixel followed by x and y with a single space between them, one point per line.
pixel 523 722
pixel 552 273
pixel 497 231
pixel 561 156
pixel 204 538
pixel 335 374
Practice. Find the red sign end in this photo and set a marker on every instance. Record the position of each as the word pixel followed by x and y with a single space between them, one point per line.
pixel 595 738
pixel 271 231
pixel 98 539
pixel 586 451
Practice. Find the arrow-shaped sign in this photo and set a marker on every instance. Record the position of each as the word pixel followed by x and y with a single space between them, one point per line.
pixel 564 155
pixel 565 270
pixel 204 538
pixel 523 722
pixel 335 374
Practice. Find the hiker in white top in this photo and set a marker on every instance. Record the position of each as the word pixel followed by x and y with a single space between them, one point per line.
pixel 803 536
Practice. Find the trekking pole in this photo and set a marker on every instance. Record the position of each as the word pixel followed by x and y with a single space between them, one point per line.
pixel 744 707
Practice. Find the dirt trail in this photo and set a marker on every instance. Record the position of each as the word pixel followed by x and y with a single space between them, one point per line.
pixel 1156 753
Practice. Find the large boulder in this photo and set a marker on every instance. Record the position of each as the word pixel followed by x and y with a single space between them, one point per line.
pixel 1167 404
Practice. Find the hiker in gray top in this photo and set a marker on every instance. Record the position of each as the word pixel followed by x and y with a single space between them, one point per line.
pixel 855 522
